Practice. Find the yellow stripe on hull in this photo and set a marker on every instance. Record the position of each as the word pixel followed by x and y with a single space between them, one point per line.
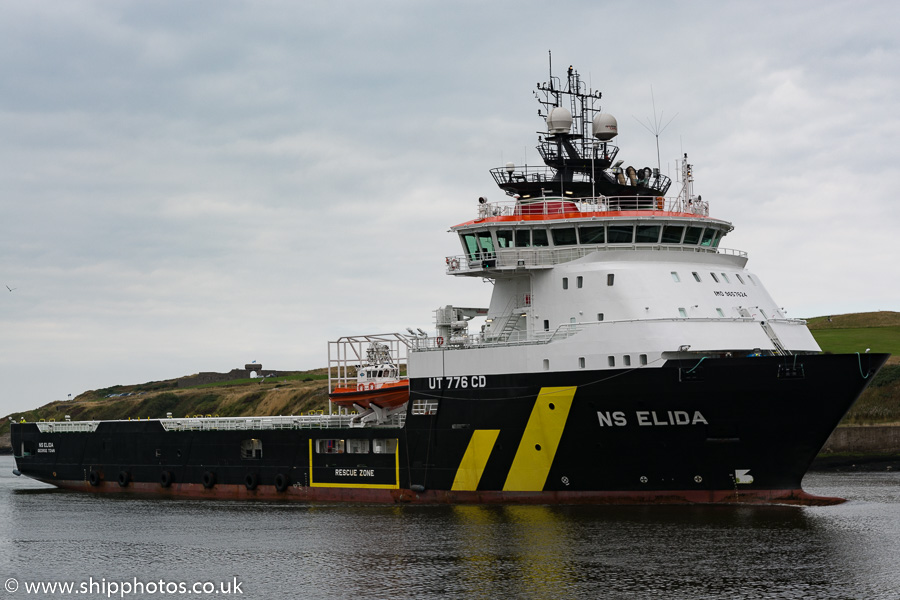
pixel 540 440
pixel 474 460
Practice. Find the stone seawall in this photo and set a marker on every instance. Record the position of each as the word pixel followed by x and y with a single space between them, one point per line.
pixel 864 439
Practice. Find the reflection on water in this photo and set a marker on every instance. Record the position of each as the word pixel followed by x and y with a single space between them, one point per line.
pixel 341 551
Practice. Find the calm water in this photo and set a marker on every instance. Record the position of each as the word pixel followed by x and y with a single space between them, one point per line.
pixel 306 551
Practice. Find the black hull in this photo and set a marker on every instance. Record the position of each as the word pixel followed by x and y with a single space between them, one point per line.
pixel 717 430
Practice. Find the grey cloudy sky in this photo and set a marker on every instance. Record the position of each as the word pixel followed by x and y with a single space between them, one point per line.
pixel 190 186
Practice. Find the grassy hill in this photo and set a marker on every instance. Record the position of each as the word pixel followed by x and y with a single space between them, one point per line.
pixel 302 392
pixel 880 331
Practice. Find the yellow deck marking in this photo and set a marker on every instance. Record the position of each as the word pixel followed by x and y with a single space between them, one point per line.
pixel 474 460
pixel 371 486
pixel 540 440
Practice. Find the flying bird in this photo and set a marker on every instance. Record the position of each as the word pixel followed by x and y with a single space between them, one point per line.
pixel 11 289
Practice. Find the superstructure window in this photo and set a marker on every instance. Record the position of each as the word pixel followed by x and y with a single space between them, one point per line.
pixel 611 360
pixel 523 238
pixel 719 312
pixel 425 406
pixel 599 316
pixel 682 313
pixel 539 237
pixel 357 446
pixel 643 359
pixel 725 277
pixel 329 446
pixel 504 238
pixel 672 234
pixel 627 360
pixel 546 364
pixel 251 449
pixel 696 276
pixel 620 234
pixel 564 237
pixel 384 446
pixel 647 234
pixel 738 275
pixel 675 277
pixel 751 280
pixel 692 236
pixel 546 325
pixel 610 278
pixel 580 362
pixel 713 275
pixel 592 235
pixel 579 282
pixel 565 283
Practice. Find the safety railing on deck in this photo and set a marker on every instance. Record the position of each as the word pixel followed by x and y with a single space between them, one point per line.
pixel 547 257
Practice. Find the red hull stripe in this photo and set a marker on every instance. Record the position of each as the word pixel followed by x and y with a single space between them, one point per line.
pixel 401 496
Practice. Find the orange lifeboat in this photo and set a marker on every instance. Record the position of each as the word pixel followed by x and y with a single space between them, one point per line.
pixel 380 385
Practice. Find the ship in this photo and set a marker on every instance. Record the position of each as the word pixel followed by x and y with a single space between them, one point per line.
pixel 626 355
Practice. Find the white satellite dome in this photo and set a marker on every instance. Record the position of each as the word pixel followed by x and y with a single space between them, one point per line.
pixel 559 120
pixel 605 127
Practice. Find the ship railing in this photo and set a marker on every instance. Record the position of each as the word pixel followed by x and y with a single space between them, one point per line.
pixel 586 207
pixel 516 337
pixel 67 426
pixel 332 421
pixel 547 257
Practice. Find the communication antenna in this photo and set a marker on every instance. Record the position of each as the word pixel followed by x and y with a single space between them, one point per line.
pixel 655 127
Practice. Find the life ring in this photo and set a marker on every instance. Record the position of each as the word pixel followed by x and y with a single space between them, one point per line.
pixel 371 386
pixel 209 479
pixel 439 341
pixel 454 264
pixel 94 478
pixel 360 387
pixel 124 478
pixel 281 482
pixel 165 479
pixel 251 481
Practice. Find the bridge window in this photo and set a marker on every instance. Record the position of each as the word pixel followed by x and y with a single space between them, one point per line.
pixel 504 238
pixel 564 237
pixel 672 234
pixel 620 234
pixel 707 238
pixel 470 244
pixel 592 235
pixel 539 238
pixel 523 238
pixel 692 236
pixel 487 243
pixel 647 234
